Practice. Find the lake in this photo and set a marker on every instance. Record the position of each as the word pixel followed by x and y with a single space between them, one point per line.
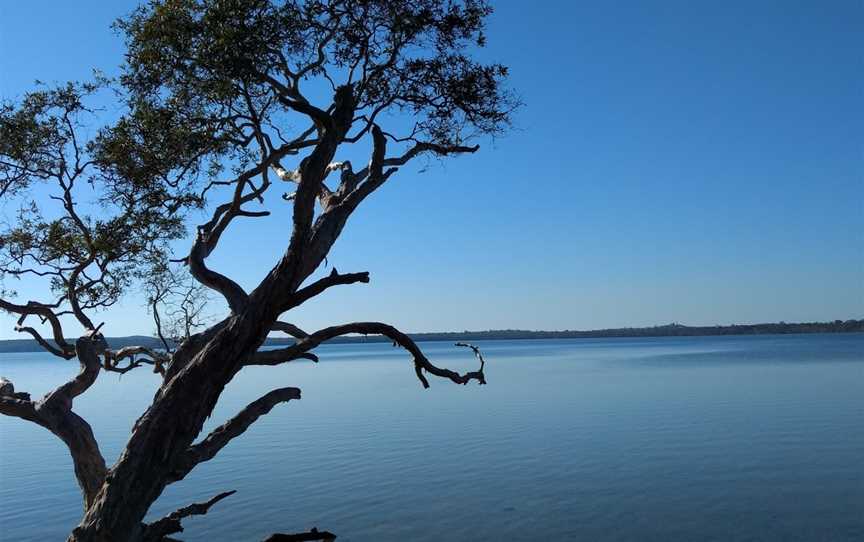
pixel 661 439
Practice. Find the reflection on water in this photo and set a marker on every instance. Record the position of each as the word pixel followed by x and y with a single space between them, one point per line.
pixel 703 438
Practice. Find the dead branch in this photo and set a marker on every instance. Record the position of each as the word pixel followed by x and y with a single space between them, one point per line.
pixel 422 364
pixel 310 536
pixel 170 524
pixel 236 426
pixel 477 353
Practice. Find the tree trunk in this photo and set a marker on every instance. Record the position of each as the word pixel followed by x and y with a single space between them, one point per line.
pixel 165 431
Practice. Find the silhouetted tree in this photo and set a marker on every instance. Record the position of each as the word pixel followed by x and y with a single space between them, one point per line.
pixel 211 90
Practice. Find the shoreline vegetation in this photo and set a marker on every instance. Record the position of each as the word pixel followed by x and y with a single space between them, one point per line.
pixel 668 330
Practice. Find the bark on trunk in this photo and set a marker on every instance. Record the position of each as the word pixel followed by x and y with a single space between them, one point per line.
pixel 164 433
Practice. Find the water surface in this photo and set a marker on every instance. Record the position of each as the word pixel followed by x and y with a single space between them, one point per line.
pixel 666 439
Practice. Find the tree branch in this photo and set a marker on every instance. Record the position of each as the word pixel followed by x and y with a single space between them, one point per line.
pixel 422 365
pixel 43 343
pixel 156 531
pixel 477 353
pixel 88 349
pixel 310 536
pixel 157 359
pixel 16 404
pixel 313 168
pixel 279 356
pixel 292 100
pixel 210 233
pixel 375 171
pixel 290 329
pixel 236 426
pixel 54 412
pixel 355 187
pixel 47 314
pixel 333 279
pixel 230 290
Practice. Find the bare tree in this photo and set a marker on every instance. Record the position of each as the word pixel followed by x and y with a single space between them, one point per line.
pixel 212 89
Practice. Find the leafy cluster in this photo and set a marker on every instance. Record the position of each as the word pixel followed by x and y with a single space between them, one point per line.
pixel 229 61
pixel 81 225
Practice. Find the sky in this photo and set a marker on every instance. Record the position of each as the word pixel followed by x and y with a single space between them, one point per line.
pixel 675 161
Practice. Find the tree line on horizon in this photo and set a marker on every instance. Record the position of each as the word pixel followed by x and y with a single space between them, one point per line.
pixel 668 330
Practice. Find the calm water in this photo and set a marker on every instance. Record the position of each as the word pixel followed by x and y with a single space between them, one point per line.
pixel 714 438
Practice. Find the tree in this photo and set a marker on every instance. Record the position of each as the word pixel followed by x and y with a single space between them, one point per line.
pixel 210 90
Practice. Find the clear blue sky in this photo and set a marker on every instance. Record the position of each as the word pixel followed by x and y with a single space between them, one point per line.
pixel 698 162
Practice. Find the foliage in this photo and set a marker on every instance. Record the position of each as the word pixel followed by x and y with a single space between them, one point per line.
pixel 79 226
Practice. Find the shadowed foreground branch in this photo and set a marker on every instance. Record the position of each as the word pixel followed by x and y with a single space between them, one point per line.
pixel 312 535
pixel 170 524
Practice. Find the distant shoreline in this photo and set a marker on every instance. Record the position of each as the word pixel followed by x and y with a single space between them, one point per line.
pixel 670 330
